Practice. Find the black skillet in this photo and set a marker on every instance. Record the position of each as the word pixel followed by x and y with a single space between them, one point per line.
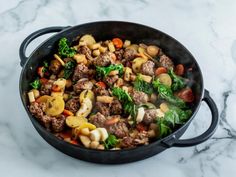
pixel 136 33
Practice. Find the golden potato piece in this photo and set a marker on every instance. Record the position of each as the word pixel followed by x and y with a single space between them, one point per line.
pixel 55 106
pixel 74 121
pixel 165 79
pixel 43 99
pixel 85 125
pixel 85 108
pixel 86 94
pixel 137 62
pixel 87 39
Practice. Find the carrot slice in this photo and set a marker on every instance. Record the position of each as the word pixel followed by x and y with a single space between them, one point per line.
pixel 74 142
pixel 160 70
pixel 101 84
pixel 117 42
pixel 40 71
pixel 112 121
pixel 43 80
pixel 68 113
pixel 56 88
pixel 179 69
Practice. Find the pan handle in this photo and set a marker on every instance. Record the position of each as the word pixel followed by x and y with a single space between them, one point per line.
pixel 34 35
pixel 173 141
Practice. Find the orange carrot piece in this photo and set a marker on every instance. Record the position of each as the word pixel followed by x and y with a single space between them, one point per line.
pixel 160 70
pixel 40 71
pixel 179 69
pixel 117 42
pixel 56 88
pixel 101 84
pixel 68 113
pixel 112 121
pixel 43 80
pixel 74 142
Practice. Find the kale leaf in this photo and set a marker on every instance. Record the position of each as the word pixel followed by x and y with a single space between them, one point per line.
pixel 103 71
pixel 69 69
pixel 128 104
pixel 178 82
pixel 64 50
pixel 35 84
pixel 166 93
pixel 141 85
pixel 110 142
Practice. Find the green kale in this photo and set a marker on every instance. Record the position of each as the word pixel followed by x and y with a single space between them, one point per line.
pixel 174 116
pixel 64 50
pixel 141 85
pixel 35 84
pixel 103 71
pixel 110 142
pixel 166 93
pixel 69 69
pixel 178 82
pixel 128 104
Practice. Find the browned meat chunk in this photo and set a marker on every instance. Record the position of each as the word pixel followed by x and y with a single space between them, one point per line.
pixel 116 107
pixel 103 108
pixel 110 80
pixel 127 142
pixel 58 123
pixel 55 124
pixel 129 54
pixel 147 68
pixel 118 129
pixel 101 91
pixel 140 138
pixel 119 54
pixel 86 51
pixel 166 62
pixel 46 88
pixel 150 116
pixel 81 71
pixel 103 59
pixel 37 109
pixel 83 84
pixel 55 66
pixel 139 97
pixel 72 105
pixel 98 119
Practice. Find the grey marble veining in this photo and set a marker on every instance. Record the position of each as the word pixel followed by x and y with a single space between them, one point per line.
pixel 206 27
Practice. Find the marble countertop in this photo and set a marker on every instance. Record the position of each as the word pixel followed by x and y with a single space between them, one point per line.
pixel 206 27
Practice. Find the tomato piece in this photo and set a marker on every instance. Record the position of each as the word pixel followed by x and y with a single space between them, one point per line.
pixel 179 69
pixel 186 95
pixel 117 42
pixel 160 70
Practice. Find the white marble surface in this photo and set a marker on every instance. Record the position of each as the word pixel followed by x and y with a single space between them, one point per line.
pixel 206 27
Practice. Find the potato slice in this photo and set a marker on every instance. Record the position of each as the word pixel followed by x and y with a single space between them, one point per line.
pixel 55 106
pixel 85 125
pixel 137 63
pixel 36 93
pixel 164 107
pixel 95 135
pixel 31 96
pixel 74 121
pixel 87 39
pixel 94 144
pixel 85 140
pixel 80 58
pixel 152 50
pixel 133 46
pixel 105 99
pixel 86 94
pixel 127 43
pixel 43 99
pixel 140 114
pixel 165 79
pixel 128 72
pixel 103 133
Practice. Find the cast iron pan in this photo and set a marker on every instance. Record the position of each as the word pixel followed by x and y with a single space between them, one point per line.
pixel 136 33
